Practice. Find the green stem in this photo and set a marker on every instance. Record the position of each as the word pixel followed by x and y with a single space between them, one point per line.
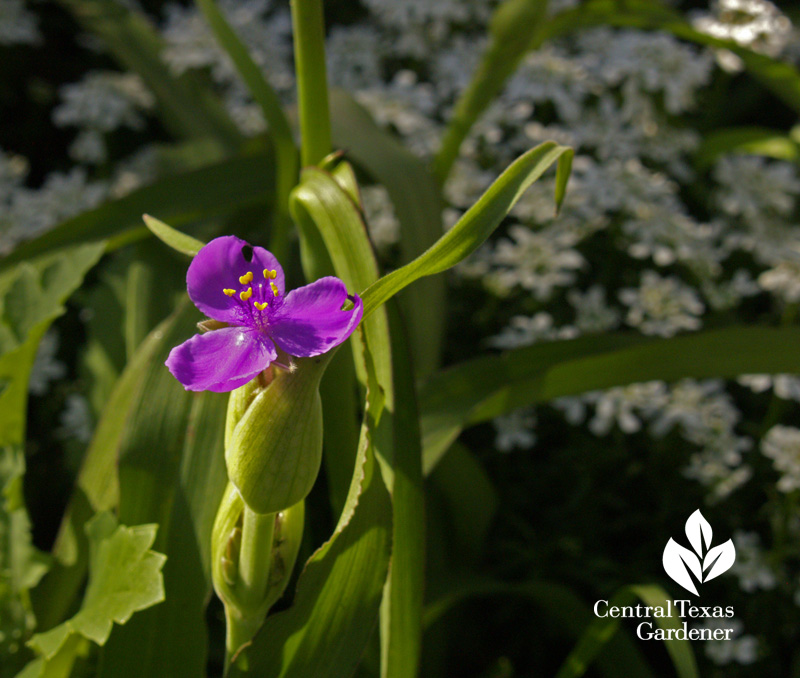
pixel 312 80
pixel 255 556
pixel 280 131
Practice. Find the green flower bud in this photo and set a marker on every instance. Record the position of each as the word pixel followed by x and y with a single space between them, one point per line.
pixel 274 437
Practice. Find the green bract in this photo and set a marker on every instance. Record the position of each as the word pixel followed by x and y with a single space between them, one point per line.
pixel 275 449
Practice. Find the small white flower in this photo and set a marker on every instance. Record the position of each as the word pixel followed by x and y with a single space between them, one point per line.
pixel 515 430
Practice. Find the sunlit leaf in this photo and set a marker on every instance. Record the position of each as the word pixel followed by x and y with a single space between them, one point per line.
pixel 180 242
pixel 125 577
pixel 477 224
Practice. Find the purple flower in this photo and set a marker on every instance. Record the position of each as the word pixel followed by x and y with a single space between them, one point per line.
pixel 243 287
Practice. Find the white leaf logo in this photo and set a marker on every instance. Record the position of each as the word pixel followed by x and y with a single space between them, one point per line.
pixel 680 563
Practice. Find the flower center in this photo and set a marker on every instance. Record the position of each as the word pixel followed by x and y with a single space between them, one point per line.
pixel 255 300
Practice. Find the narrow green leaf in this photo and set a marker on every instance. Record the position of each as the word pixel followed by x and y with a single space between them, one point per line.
pixel 476 225
pixel 484 388
pixel 401 608
pixel 750 140
pixel 182 198
pixel 188 109
pixel 286 155
pixel 125 577
pixel 603 629
pixel 180 242
pixel 418 205
pixel 512 28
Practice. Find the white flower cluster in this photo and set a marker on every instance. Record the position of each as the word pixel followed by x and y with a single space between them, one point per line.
pixel 384 228
pixel 18 25
pixel 264 30
pixel 786 386
pixel 751 566
pixel 103 101
pixel 742 649
pixel 515 430
pixel 524 331
pixel 662 306
pixel 46 367
pixel 782 445
pixel 756 24
pixel 26 213
pixel 701 412
pixel 643 64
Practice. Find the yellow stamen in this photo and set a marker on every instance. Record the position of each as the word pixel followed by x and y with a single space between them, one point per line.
pixel 270 274
pixel 246 278
pixel 244 296
pixel 260 306
pixel 274 289
pixel 230 293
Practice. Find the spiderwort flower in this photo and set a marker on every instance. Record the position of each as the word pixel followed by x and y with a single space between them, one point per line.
pixel 242 287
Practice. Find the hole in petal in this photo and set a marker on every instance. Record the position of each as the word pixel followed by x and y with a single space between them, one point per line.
pixel 348 305
pixel 247 253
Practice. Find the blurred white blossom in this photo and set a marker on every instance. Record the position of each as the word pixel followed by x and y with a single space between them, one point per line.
pixel 751 566
pixel 662 306
pixel 76 419
pixel 46 367
pixel 18 25
pixel 782 445
pixel 515 430
pixel 592 312
pixel 756 24
pixel 742 649
pixel 384 228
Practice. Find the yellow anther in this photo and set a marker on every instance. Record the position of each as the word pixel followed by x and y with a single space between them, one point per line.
pixel 274 289
pixel 246 278
pixel 260 306
pixel 244 296
pixel 230 293
pixel 270 274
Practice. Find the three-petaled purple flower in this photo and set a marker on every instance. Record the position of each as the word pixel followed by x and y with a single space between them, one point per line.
pixel 243 287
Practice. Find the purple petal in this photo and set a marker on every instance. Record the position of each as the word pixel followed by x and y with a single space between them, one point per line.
pixel 311 321
pixel 221 360
pixel 218 266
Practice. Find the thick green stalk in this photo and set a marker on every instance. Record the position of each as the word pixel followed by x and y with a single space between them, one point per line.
pixel 312 80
